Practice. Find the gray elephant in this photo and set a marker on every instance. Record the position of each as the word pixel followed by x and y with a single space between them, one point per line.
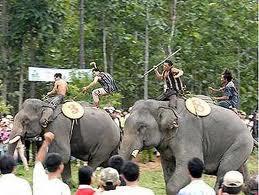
pixel 220 140
pixel 93 138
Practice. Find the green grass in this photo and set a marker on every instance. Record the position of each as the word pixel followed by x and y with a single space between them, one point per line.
pixel 152 178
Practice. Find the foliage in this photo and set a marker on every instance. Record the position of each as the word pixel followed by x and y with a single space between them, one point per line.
pixel 4 108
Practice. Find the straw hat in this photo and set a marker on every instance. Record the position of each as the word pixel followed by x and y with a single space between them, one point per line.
pixel 198 106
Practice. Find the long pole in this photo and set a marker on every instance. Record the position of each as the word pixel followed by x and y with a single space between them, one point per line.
pixel 154 67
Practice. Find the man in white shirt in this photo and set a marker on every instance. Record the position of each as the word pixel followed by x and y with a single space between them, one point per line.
pixel 48 183
pixel 130 173
pixel 9 183
pixel 197 185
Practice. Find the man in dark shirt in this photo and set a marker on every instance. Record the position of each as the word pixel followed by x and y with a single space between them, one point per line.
pixel 230 97
pixel 107 83
pixel 172 83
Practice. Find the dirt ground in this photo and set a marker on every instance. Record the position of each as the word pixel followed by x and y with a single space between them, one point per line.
pixel 156 165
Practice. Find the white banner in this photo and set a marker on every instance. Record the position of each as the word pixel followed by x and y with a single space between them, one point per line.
pixel 47 74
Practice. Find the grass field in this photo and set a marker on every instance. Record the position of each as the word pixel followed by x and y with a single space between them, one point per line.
pixel 151 174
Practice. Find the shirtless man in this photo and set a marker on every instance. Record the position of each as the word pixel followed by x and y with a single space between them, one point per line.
pixel 58 93
pixel 172 83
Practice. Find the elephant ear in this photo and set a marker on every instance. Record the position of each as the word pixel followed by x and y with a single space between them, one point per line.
pixel 168 118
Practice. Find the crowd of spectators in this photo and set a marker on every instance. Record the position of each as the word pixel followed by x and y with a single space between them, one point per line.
pixel 120 177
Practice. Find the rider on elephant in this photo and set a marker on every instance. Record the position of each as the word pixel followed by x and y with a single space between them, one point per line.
pixel 172 83
pixel 107 82
pixel 230 97
pixel 58 93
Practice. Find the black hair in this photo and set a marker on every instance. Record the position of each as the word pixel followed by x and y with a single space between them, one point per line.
pixel 195 167
pixel 169 62
pixel 227 75
pixel 95 70
pixel 53 161
pixel 58 75
pixel 231 190
pixel 130 171
pixel 109 186
pixel 7 164
pixel 116 162
pixel 84 175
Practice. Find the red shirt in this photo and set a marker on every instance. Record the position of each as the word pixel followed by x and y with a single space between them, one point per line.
pixel 85 190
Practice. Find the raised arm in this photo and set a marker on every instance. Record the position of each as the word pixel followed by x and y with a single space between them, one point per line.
pixel 177 72
pixel 158 75
pixel 41 155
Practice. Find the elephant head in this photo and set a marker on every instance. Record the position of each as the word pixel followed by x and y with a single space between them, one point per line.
pixel 26 122
pixel 149 124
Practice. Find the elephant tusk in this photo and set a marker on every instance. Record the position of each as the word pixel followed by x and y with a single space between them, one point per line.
pixel 15 139
pixel 135 153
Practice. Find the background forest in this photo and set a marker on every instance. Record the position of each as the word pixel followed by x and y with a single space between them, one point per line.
pixel 126 38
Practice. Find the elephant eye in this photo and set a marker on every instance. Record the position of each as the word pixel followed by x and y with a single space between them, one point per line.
pixel 141 128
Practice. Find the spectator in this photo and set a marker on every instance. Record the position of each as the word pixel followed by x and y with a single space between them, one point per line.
pixel 252 186
pixel 197 185
pixel 48 184
pixel 9 183
pixel 117 163
pixel 85 175
pixel 20 150
pixel 232 183
pixel 109 180
pixel 130 172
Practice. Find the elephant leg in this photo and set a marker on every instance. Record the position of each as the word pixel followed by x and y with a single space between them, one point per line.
pixel 168 168
pixel 66 175
pixel 233 159
pixel 179 179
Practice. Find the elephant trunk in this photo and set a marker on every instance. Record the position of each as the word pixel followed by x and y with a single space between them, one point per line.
pixel 17 131
pixel 129 147
pixel 11 148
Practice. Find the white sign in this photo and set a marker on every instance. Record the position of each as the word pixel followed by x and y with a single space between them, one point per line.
pixel 47 74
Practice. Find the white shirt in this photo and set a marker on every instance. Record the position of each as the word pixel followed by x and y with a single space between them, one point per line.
pixel 43 186
pixel 197 187
pixel 11 184
pixel 128 190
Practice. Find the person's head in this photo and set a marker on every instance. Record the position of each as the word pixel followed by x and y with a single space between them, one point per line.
pixel 54 163
pixel 95 71
pixel 7 164
pixel 85 175
pixel 116 162
pixel 195 167
pixel 57 76
pixel 226 76
pixel 109 179
pixel 232 182
pixel 167 65
pixel 130 171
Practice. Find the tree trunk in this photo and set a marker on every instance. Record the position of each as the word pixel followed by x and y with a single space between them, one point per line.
pixel 104 44
pixel 21 83
pixel 111 60
pixel 4 50
pixel 146 54
pixel 173 21
pixel 32 60
pixel 81 49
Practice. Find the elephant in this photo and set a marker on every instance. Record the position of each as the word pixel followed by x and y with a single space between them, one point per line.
pixel 221 140
pixel 93 138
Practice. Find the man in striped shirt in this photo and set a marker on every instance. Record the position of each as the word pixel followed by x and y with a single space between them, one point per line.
pixel 172 83
pixel 108 85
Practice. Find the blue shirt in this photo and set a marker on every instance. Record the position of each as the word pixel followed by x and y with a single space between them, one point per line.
pixel 231 92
